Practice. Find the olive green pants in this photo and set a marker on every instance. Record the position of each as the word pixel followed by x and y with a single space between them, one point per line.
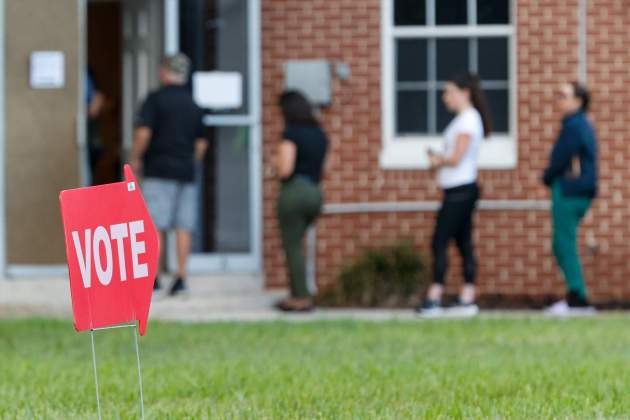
pixel 299 204
pixel 567 213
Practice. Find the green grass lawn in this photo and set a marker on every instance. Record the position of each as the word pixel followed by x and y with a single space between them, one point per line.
pixel 482 368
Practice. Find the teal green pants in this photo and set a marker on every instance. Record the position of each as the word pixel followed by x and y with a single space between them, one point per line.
pixel 299 204
pixel 567 212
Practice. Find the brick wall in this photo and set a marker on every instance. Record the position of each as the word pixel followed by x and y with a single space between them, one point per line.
pixel 513 246
pixel 608 76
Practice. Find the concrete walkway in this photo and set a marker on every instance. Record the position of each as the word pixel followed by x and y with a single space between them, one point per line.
pixel 211 298
pixel 216 298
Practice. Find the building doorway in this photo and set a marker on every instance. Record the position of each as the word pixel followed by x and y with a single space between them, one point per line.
pixel 125 42
pixel 224 36
pixel 124 45
pixel 104 68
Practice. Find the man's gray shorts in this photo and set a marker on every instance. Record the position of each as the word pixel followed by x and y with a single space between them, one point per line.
pixel 172 204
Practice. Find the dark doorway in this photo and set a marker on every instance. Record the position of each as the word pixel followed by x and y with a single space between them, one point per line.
pixel 104 57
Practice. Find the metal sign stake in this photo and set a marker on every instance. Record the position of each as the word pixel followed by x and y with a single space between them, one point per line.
pixel 137 348
pixel 98 400
pixel 135 336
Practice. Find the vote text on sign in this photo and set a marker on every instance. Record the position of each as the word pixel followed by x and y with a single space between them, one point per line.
pixel 112 249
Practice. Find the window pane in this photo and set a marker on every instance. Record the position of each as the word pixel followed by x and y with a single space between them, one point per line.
pixel 213 33
pixel 412 60
pixel 493 12
pixel 452 57
pixel 499 109
pixel 444 116
pixel 410 12
pixel 411 109
pixel 493 58
pixel 223 222
pixel 451 12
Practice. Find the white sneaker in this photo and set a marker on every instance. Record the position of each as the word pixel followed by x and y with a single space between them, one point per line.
pixel 437 312
pixel 463 311
pixel 562 309
pixel 430 309
pixel 583 311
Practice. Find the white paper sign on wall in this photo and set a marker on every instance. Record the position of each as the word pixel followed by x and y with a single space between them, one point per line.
pixel 218 89
pixel 47 70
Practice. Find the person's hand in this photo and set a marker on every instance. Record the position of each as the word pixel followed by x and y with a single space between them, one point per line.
pixel 136 166
pixel 435 160
pixel 95 107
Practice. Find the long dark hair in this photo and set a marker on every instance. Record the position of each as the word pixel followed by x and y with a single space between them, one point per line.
pixel 581 92
pixel 471 82
pixel 296 109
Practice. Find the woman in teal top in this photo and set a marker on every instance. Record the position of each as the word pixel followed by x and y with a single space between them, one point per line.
pixel 572 177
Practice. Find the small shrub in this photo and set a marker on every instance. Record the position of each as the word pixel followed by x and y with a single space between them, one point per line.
pixel 384 277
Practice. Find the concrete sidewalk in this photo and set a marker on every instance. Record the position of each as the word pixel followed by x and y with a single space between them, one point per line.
pixel 211 298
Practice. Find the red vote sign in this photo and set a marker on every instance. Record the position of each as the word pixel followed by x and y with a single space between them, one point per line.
pixel 113 249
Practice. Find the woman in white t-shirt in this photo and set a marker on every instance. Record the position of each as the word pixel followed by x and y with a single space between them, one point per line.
pixel 456 168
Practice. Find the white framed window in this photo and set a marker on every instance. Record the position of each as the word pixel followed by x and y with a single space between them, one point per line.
pixel 424 43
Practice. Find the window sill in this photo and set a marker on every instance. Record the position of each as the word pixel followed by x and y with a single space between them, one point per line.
pixel 410 153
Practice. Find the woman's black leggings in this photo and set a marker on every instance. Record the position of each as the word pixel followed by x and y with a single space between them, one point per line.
pixel 455 221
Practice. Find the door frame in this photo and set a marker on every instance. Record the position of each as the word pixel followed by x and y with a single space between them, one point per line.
pixel 232 262
pixel 3 219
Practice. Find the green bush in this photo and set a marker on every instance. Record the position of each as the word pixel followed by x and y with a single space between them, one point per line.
pixel 384 277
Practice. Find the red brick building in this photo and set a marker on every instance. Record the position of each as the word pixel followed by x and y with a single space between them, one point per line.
pixel 381 119
pixel 385 115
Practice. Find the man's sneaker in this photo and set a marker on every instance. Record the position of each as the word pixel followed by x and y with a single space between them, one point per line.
pixel 178 287
pixel 156 284
pixel 463 310
pixel 430 309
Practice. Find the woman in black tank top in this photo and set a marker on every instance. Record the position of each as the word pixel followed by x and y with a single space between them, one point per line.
pixel 299 160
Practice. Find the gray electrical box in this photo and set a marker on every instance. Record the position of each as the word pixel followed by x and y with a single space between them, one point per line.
pixel 311 77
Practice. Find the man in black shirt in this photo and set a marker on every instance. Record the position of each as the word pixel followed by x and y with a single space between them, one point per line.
pixel 168 139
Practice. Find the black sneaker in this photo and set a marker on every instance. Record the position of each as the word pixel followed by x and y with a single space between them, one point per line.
pixel 178 287
pixel 430 308
pixel 575 300
pixel 579 305
pixel 156 284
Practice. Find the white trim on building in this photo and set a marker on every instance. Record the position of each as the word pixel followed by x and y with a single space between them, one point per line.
pixel 3 201
pixel 171 26
pixel 409 152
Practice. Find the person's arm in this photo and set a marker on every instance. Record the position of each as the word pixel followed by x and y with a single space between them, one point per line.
pixel 141 139
pixel 201 146
pixel 563 151
pixel 285 160
pixel 201 142
pixel 96 105
pixel 145 124
pixel 461 145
